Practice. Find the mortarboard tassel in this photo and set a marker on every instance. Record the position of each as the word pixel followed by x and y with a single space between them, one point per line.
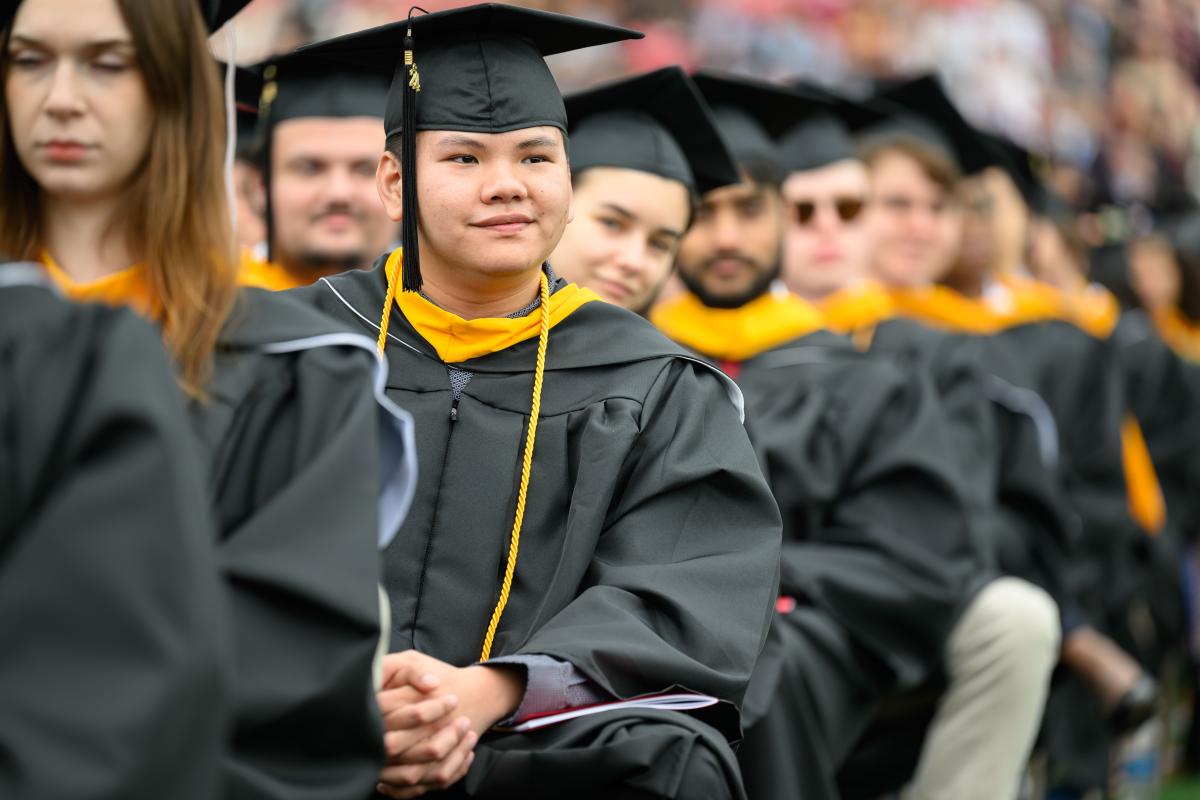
pixel 408 168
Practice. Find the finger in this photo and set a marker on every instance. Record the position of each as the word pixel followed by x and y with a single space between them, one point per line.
pixel 436 747
pixel 396 743
pixel 410 668
pixel 415 715
pixel 389 700
pixel 454 767
pixel 426 777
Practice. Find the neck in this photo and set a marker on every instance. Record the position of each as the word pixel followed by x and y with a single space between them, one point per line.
pixel 474 295
pixel 83 239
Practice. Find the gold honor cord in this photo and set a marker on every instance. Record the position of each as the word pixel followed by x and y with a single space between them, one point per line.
pixel 535 409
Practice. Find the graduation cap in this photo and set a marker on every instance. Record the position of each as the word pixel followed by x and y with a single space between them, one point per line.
pixel 750 114
pixel 657 123
pixel 1018 163
pixel 300 86
pixel 828 136
pixel 926 113
pixel 247 87
pixel 479 69
pixel 215 12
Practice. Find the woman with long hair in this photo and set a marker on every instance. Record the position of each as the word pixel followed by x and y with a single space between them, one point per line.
pixel 111 176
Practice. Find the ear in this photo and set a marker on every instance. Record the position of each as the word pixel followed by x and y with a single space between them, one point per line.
pixel 251 187
pixel 390 183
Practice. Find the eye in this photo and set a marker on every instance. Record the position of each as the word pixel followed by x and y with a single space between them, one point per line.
pixel 536 160
pixel 464 159
pixel 110 64
pixel 610 224
pixel 27 59
pixel 664 246
pixel 364 169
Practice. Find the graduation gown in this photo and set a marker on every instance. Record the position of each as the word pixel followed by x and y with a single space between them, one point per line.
pixel 878 554
pixel 1004 436
pixel 297 451
pixel 649 551
pixel 115 678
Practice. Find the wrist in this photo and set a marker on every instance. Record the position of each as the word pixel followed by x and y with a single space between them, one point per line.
pixel 500 690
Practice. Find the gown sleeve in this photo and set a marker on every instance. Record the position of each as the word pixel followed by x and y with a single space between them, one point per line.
pixel 681 587
pixel 296 469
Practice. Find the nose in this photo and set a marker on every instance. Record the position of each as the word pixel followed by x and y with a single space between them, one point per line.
pixel 503 185
pixel 339 185
pixel 630 255
pixel 726 232
pixel 65 99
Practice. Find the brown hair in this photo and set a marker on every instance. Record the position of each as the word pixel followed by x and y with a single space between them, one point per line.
pixel 176 214
pixel 937 165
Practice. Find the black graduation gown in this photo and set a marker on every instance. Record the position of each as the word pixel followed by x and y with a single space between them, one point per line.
pixel 292 434
pixel 999 434
pixel 649 552
pixel 877 550
pixel 115 673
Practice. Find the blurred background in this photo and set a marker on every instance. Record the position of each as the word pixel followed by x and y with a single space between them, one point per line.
pixel 1104 91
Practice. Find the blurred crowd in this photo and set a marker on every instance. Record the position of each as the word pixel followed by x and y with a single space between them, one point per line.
pixel 1104 90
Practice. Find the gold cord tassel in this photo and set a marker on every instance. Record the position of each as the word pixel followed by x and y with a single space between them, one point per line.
pixel 389 269
pixel 535 411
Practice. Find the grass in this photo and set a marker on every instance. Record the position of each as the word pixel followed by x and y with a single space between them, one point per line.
pixel 1188 790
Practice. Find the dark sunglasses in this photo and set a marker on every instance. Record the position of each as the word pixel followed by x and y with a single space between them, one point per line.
pixel 847 208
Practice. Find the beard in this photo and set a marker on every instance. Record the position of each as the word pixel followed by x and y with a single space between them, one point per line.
pixel 324 263
pixel 764 277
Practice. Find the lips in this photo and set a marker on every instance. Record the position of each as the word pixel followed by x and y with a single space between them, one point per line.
pixel 64 150
pixel 504 223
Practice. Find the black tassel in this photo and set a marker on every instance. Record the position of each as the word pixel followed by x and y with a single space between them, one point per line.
pixel 411 281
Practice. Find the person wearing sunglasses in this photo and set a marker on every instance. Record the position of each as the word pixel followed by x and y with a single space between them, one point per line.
pixel 881 569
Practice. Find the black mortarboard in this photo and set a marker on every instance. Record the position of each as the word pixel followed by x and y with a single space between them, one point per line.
pixel 479 69
pixel 752 114
pixel 247 87
pixel 299 86
pixel 215 12
pixel 656 123
pixel 926 113
pixel 828 136
pixel 1017 163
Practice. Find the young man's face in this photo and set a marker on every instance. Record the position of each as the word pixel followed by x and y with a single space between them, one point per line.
pixel 826 244
pixel 493 204
pixel 626 231
pixel 731 254
pixel 914 223
pixel 326 213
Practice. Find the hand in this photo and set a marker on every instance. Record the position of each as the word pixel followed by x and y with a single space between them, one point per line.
pixel 427 746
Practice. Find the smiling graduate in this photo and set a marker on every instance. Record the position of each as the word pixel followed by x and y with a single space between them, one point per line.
pixel 590 522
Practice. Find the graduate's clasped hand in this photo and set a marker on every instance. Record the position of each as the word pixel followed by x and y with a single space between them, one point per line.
pixel 434 714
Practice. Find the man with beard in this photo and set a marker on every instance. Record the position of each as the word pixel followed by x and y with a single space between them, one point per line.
pixel 884 588
pixel 590 522
pixel 319 139
pixel 642 150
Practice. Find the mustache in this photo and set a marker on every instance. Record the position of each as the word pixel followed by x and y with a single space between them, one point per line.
pixel 337 208
pixel 728 255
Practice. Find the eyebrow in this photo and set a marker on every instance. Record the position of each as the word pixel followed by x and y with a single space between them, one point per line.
pixel 537 141
pixel 99 44
pixel 627 214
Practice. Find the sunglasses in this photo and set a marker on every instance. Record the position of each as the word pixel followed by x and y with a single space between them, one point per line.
pixel 847 209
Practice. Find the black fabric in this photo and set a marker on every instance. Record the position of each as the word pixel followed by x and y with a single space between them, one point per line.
pixel 482 67
pixel 115 678
pixel 752 114
pixel 649 553
pixel 657 123
pixel 288 440
pixel 926 113
pixel 296 87
pixel 817 143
